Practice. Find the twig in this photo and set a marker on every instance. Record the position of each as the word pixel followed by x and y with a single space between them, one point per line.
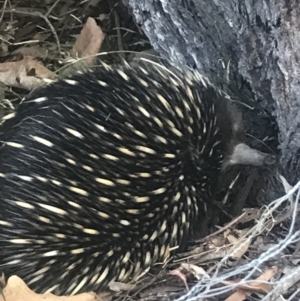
pixel 120 43
pixel 51 8
pixel 3 10
pixel 37 14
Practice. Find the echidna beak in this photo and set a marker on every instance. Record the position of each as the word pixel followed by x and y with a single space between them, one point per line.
pixel 245 155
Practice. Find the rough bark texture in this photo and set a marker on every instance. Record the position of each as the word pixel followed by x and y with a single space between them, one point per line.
pixel 257 42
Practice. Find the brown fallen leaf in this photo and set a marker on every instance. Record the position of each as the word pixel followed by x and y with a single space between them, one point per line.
pixel 26 73
pixel 88 42
pixel 178 273
pixel 32 51
pixel 17 290
pixel 197 271
pixel 253 287
pixel 118 286
pixel 218 241
pixel 246 289
pixel 240 246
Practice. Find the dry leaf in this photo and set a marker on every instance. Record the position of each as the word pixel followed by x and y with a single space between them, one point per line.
pixel 17 290
pixel 26 73
pixel 239 243
pixel 239 250
pixel 240 247
pixel 88 42
pixel 197 271
pixel 249 214
pixel 118 286
pixel 33 51
pixel 247 288
pixel 25 32
pixel 253 287
pixel 41 37
pixel 178 273
pixel 218 241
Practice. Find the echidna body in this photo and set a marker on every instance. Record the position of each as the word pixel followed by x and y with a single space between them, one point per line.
pixel 102 173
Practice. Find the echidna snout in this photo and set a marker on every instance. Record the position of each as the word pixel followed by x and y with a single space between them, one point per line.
pixel 101 174
pixel 244 155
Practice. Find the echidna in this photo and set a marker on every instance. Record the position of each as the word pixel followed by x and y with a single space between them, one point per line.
pixel 102 173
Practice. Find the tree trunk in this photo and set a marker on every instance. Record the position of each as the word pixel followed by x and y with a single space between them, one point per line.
pixel 249 47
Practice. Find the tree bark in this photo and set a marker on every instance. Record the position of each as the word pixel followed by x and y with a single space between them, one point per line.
pixel 249 47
